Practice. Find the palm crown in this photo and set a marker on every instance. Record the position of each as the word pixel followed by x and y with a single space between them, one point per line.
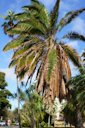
pixel 35 48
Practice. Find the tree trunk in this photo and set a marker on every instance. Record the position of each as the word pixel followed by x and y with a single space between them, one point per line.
pixel 49 121
pixel 79 121
pixel 33 124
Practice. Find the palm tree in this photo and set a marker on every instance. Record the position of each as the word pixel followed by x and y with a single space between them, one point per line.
pixel 37 47
pixel 77 99
pixel 32 112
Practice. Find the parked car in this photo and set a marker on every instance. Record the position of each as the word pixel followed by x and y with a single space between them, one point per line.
pixel 2 123
pixel 17 124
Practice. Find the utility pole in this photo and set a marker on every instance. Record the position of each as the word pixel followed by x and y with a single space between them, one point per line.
pixel 18 99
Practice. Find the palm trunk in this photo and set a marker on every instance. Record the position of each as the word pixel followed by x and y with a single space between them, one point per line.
pixel 79 121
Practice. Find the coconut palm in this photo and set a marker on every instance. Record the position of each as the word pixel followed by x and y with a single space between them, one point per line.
pixel 37 47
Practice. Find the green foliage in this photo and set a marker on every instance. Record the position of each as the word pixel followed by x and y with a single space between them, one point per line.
pixel 55 13
pixel 15 43
pixel 78 86
pixel 69 113
pixel 52 56
pixel 4 95
pixel 32 111
pixel 77 95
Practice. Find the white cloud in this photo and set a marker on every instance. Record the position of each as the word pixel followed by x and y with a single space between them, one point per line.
pixel 79 25
pixel 74 44
pixel 9 73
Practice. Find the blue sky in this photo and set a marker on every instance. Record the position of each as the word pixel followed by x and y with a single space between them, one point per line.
pixel 15 5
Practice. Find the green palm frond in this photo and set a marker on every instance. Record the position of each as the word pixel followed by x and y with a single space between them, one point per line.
pixel 81 97
pixel 52 59
pixel 19 52
pixel 69 18
pixel 27 26
pixel 16 42
pixel 33 44
pixel 79 80
pixel 55 13
pixel 72 54
pixel 77 85
pixel 14 62
pixel 75 36
pixel 21 16
pixel 20 27
pixel 76 81
pixel 38 10
pixel 21 60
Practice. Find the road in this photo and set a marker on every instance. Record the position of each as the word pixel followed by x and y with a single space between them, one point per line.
pixel 10 127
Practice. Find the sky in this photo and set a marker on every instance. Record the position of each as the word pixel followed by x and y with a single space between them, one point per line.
pixel 77 25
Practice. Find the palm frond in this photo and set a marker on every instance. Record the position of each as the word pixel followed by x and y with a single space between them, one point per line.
pixel 83 54
pixel 75 36
pixel 38 10
pixel 14 62
pixel 27 26
pixel 77 81
pixel 72 54
pixel 55 13
pixel 16 42
pixel 81 97
pixel 32 45
pixel 21 16
pixel 69 18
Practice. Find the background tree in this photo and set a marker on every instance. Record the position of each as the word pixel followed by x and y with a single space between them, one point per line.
pixel 32 112
pixel 76 105
pixel 4 95
pixel 37 45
